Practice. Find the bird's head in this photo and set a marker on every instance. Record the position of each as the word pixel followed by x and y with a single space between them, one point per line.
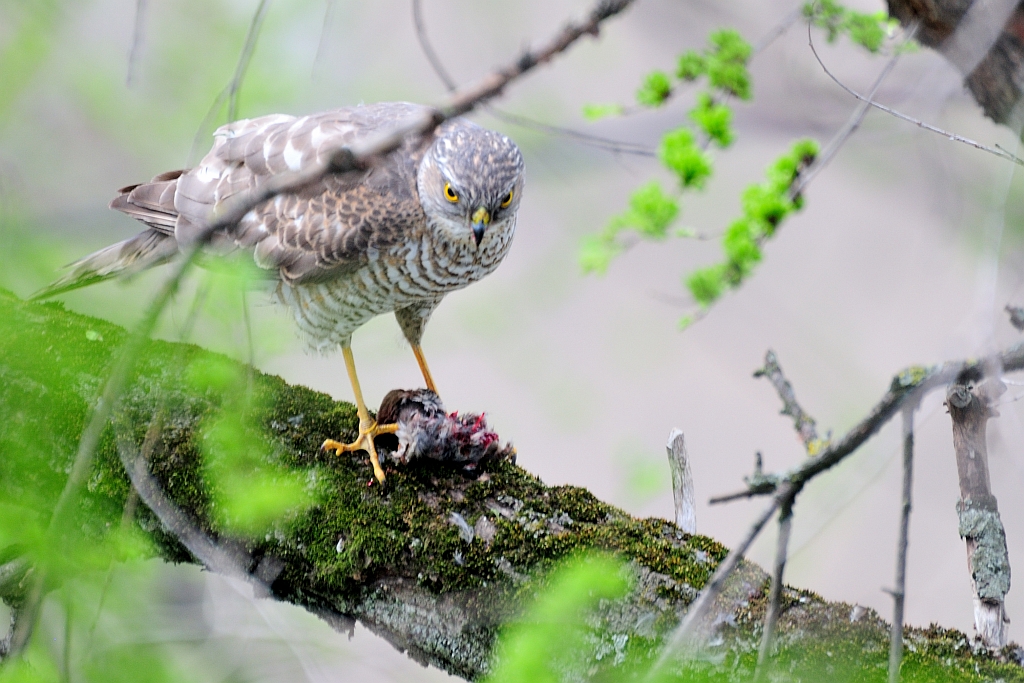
pixel 470 180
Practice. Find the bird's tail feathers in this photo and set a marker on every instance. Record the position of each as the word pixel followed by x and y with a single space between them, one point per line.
pixel 147 249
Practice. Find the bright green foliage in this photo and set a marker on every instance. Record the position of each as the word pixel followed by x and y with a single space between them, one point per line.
pixel 655 89
pixel 650 213
pixel 714 119
pixel 765 206
pixel 867 30
pixel 706 284
pixel 679 152
pixel 691 66
pixel 593 112
pixel 597 252
pixel 249 492
pixel 537 648
pixel 727 63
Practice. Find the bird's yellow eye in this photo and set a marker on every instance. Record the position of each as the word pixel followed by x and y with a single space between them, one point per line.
pixel 507 200
pixel 450 194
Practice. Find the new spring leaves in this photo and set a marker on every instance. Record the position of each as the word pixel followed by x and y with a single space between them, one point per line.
pixel 652 211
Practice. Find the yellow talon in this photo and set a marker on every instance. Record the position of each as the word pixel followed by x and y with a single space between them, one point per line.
pixel 363 442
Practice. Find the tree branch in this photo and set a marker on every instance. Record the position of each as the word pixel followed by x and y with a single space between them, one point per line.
pixel 389 559
pixel 802 422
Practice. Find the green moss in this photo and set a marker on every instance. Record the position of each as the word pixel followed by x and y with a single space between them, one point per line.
pixel 356 531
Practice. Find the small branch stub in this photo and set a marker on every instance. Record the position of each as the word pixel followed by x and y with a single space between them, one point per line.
pixel 969 407
pixel 682 483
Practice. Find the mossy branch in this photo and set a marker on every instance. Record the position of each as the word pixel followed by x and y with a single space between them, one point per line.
pixel 392 559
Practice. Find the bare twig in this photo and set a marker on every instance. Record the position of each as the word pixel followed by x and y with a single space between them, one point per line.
pixel 853 123
pixel 682 483
pixel 899 591
pixel 321 44
pixel 428 50
pixel 698 609
pixel 910 385
pixel 243 59
pixel 230 91
pixel 776 31
pixel 775 596
pixel 997 151
pixel 802 422
pixel 596 141
pixel 138 38
pixel 441 72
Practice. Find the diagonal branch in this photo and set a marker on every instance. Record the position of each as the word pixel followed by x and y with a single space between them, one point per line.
pixel 802 422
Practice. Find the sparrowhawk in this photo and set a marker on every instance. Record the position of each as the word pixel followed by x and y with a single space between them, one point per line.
pixel 432 217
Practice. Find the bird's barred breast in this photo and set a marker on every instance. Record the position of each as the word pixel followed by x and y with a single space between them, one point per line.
pixel 412 272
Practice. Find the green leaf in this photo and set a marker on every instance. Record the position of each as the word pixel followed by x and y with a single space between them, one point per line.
pixel 714 119
pixel 593 112
pixel 679 152
pixel 691 66
pixel 727 63
pixel 651 211
pixel 866 30
pixel 655 89
pixel 596 254
pixel 707 284
pixel 537 648
pixel 740 246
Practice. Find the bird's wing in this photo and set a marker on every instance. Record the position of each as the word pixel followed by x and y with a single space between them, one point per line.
pixel 328 227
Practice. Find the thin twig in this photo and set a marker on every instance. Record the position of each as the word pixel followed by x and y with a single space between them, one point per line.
pixel 853 123
pixel 428 50
pixel 997 150
pixel 899 592
pixel 138 38
pixel 776 31
pixel 802 422
pixel 597 141
pixel 775 596
pixel 698 609
pixel 910 385
pixel 442 73
pixel 321 44
pixel 243 59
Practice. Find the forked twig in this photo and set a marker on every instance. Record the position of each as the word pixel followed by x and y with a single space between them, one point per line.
pixel 997 151
pixel 802 422
pixel 853 123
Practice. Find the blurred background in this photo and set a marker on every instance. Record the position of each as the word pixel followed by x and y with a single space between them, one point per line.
pixel 908 249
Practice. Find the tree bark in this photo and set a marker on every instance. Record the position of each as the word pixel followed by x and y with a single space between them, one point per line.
pixel 392 558
pixel 987 557
pixel 984 39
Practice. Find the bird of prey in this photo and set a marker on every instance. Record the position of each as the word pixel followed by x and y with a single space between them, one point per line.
pixel 430 218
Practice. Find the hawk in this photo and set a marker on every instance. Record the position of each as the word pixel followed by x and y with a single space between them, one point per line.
pixel 437 214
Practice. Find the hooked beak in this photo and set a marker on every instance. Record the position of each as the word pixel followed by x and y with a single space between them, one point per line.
pixel 481 217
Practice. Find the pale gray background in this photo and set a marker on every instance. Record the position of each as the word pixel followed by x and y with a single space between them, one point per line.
pixel 891 263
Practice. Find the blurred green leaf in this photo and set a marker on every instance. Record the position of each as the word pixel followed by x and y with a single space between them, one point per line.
pixel 593 112
pixel 655 89
pixel 679 152
pixel 536 648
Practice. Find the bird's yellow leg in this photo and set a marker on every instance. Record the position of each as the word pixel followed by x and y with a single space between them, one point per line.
pixel 368 427
pixel 418 351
